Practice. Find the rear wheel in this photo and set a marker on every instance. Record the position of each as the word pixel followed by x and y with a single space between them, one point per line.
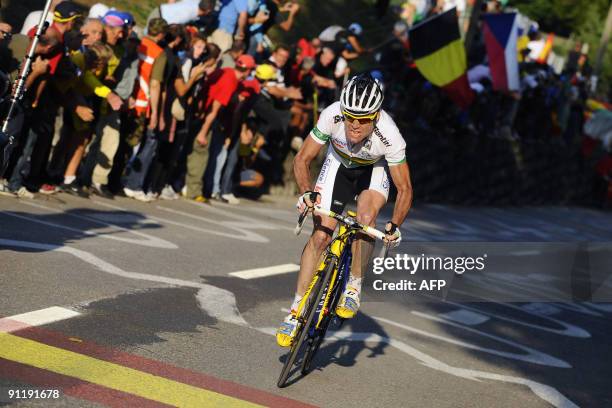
pixel 313 346
pixel 309 313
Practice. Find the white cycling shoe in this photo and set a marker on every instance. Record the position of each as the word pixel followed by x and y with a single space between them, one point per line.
pixel 349 303
pixel 286 332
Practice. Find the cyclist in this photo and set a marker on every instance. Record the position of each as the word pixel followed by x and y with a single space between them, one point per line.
pixel 363 143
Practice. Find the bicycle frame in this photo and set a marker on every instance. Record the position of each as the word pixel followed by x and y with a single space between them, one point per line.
pixel 317 307
pixel 339 252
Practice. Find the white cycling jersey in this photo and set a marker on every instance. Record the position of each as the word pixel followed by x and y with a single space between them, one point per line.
pixel 385 142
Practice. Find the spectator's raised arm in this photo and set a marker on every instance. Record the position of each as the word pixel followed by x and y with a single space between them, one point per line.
pixel 293 9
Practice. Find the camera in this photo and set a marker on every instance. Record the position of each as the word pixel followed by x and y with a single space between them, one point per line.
pixel 6 36
pixel 202 58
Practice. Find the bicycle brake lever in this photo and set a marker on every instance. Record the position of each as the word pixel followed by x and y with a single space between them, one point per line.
pixel 301 222
pixel 384 251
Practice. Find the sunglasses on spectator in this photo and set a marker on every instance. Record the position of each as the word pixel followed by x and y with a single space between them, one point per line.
pixel 363 120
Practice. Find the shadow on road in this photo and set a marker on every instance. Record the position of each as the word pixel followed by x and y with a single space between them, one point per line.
pixel 344 351
pixel 54 230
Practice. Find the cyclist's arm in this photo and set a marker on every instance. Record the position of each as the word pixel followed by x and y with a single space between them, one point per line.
pixel 400 174
pixel 301 164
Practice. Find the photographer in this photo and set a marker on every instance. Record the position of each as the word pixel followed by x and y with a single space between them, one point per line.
pixel 44 83
pixel 264 15
pixel 200 62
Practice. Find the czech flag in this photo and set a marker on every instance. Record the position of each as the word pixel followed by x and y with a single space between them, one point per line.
pixel 501 38
pixel 439 55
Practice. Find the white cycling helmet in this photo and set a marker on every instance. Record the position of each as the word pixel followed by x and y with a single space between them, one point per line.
pixel 362 95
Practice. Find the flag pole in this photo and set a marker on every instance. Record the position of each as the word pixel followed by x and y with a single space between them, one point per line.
pixel 473 27
pixel 605 37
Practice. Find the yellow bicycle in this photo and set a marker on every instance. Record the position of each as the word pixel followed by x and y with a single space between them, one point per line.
pixel 318 306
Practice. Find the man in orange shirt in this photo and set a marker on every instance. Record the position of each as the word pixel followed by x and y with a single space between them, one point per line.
pixel 147 95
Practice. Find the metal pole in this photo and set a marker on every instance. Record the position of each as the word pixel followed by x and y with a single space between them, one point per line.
pixel 7 141
pixel 473 28
pixel 605 37
pixel 25 70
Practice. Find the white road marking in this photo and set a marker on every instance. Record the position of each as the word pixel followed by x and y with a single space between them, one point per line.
pixel 545 392
pixel 568 329
pixel 544 309
pixel 246 235
pixel 604 307
pixel 531 356
pixel 247 221
pixel 216 302
pixel 267 271
pixel 534 356
pixel 37 318
pixel 465 317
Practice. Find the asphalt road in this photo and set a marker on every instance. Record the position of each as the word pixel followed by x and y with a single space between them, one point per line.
pixel 136 305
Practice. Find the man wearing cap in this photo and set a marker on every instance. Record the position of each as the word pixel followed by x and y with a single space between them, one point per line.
pixel 147 94
pixel 34 18
pixel 41 119
pixel 64 17
pixel 117 89
pixel 222 85
pixel 10 63
pixel 100 159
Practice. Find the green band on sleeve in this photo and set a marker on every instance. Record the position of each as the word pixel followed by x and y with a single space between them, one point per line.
pixel 320 135
pixel 392 163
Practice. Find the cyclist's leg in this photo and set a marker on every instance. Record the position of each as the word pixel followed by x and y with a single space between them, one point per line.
pixel 369 204
pixel 334 188
pixel 321 237
pixel 331 185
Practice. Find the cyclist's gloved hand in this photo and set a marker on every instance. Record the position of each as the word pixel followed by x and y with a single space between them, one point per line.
pixel 308 199
pixel 394 235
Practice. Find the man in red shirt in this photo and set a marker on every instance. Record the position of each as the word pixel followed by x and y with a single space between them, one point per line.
pixel 64 17
pixel 222 85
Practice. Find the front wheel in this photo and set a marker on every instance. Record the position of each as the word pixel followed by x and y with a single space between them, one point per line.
pixel 315 341
pixel 309 313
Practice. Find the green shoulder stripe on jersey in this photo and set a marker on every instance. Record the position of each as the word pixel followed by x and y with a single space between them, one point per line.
pixel 390 163
pixel 320 135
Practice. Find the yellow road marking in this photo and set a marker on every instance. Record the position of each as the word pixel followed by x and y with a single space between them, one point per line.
pixel 110 375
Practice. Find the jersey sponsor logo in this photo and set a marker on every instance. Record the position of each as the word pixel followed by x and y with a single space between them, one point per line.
pixel 339 143
pixel 324 171
pixel 383 139
pixel 385 182
pixel 338 119
pixel 368 144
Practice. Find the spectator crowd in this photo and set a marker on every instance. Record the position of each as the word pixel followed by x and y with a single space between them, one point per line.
pixel 200 103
